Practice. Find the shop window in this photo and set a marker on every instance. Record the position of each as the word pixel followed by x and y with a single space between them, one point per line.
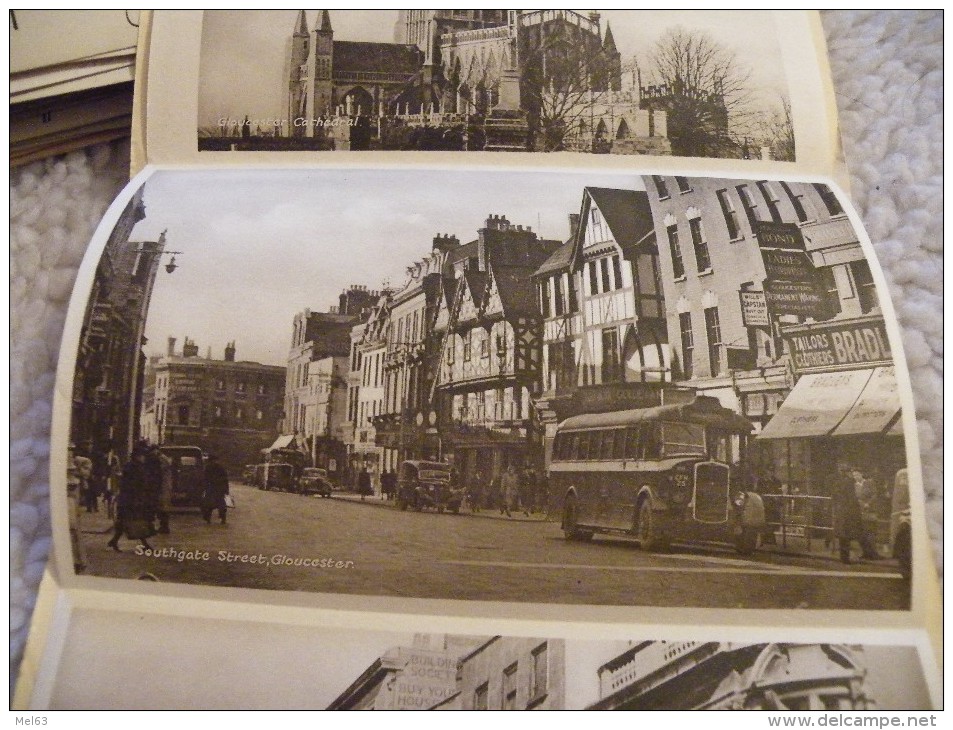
pixel 480 696
pixel 748 203
pixel 538 682
pixel 713 329
pixel 678 266
pixel 702 257
pixel 829 199
pixel 731 216
pixel 771 199
pixel 797 202
pixel 558 300
pixel 617 272
pixel 509 687
pixel 611 364
pixel 864 283
pixel 688 344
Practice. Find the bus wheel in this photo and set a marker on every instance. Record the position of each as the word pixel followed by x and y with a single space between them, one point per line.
pixel 747 540
pixel 571 529
pixel 647 529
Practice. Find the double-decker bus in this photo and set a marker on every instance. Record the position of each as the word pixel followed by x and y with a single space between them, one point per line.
pixel 670 472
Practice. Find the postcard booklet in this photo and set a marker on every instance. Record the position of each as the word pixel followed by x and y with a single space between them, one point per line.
pixel 484 359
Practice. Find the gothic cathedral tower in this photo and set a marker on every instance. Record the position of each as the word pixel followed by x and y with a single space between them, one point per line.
pixel 321 98
pixel 298 76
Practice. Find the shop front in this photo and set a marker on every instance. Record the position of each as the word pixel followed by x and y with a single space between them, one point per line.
pixel 844 409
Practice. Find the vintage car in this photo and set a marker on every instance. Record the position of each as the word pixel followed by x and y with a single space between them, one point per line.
pixel 275 476
pixel 900 524
pixel 188 475
pixel 315 481
pixel 422 484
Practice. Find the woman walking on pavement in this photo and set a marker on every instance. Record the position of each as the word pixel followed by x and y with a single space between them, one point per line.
pixel 216 487
pixel 133 512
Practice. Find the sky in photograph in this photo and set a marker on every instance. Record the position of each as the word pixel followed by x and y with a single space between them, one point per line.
pixel 244 60
pixel 259 246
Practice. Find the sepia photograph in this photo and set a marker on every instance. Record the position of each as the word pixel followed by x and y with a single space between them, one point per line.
pixel 698 83
pixel 572 388
pixel 322 668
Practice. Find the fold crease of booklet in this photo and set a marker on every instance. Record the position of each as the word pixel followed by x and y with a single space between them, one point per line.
pixel 484 360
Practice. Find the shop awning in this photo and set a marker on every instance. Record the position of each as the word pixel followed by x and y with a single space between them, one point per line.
pixel 876 407
pixel 838 404
pixel 282 442
pixel 817 404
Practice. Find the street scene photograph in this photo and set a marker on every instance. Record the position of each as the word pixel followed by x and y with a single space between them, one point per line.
pixel 323 668
pixel 694 83
pixel 551 388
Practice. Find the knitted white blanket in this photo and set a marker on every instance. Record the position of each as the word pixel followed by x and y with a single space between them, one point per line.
pixel 887 69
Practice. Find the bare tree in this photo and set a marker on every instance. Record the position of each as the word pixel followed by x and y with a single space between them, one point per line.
pixel 564 78
pixel 704 89
pixel 775 130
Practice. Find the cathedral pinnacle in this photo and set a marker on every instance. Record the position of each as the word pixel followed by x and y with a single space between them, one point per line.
pixel 324 23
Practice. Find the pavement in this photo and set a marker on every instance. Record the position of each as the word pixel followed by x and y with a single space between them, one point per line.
pixel 491 514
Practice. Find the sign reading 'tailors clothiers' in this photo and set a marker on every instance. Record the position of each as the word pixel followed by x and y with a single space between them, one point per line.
pixel 837 345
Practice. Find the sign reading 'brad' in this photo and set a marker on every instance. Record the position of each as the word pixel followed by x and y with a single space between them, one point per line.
pixel 833 346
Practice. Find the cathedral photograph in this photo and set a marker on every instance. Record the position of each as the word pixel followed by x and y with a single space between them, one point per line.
pixel 612 82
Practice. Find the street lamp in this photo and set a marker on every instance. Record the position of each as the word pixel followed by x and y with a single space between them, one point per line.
pixel 171 266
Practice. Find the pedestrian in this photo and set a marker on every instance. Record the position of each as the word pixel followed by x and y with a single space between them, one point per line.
pixel 73 482
pixel 364 483
pixel 388 484
pixel 216 487
pixel 474 491
pixel 84 472
pixel 528 490
pixel 97 479
pixel 165 492
pixel 133 509
pixel 153 470
pixel 111 494
pixel 769 487
pixel 509 491
pixel 847 516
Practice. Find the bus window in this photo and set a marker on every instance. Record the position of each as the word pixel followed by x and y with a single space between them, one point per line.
pixel 582 452
pixel 573 450
pixel 618 449
pixel 680 439
pixel 719 446
pixel 608 444
pixel 632 450
pixel 558 442
pixel 651 441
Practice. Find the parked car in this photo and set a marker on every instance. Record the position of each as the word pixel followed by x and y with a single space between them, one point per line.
pixel 900 546
pixel 315 481
pixel 188 475
pixel 422 484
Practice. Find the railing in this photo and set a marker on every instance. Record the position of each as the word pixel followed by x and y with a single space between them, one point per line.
pixel 800 520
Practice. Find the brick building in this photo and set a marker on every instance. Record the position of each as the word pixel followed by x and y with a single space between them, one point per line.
pixel 228 407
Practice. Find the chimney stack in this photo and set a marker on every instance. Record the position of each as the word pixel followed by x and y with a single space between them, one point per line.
pixel 230 352
pixel 171 351
pixel 189 348
pixel 573 224
pixel 445 242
